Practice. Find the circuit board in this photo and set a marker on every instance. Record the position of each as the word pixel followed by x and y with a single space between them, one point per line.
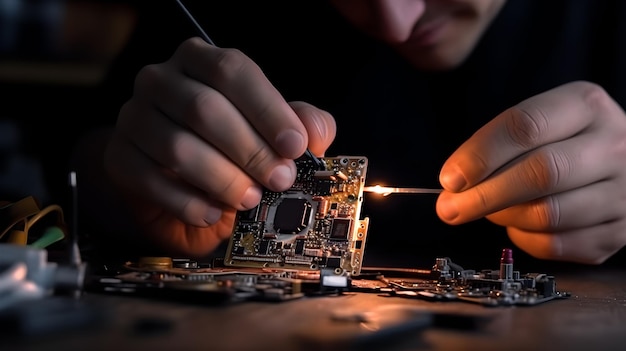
pixel 313 225
pixel 447 281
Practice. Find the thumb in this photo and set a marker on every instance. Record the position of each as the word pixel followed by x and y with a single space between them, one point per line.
pixel 320 125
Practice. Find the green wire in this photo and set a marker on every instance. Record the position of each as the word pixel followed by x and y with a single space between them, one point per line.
pixel 49 237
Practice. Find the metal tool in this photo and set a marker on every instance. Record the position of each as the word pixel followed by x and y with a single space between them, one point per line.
pixel 385 190
pixel 307 153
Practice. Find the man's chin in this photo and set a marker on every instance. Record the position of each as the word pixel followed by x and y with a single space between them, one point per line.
pixel 433 59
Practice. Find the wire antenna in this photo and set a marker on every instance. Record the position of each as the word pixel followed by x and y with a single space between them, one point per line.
pixel 195 23
pixel 320 165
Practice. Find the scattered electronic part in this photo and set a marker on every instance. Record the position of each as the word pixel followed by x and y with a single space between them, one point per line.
pixel 447 281
pixel 313 225
pixel 310 240
pixel 187 280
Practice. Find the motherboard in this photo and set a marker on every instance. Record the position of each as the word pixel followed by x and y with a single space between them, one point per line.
pixel 313 225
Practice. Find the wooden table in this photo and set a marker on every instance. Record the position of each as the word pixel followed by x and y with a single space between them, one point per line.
pixel 593 318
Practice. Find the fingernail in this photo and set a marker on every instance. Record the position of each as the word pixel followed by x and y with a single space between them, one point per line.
pixel 212 215
pixel 452 180
pixel 447 209
pixel 281 178
pixel 251 198
pixel 290 143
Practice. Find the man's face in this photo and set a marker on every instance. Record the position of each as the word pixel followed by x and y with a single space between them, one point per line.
pixel 430 34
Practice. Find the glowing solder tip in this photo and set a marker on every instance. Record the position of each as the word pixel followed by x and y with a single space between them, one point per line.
pixel 386 190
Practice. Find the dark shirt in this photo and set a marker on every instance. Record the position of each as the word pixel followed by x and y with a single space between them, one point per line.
pixel 409 122
pixel 406 122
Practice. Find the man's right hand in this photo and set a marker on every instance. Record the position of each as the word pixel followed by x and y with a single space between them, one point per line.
pixel 201 136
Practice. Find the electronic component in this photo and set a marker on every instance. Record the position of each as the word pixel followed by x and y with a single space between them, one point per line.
pixel 449 281
pixel 186 280
pixel 181 279
pixel 313 225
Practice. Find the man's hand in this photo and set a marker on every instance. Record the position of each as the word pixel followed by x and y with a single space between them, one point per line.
pixel 552 170
pixel 202 135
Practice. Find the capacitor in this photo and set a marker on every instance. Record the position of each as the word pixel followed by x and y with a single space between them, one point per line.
pixel 323 207
pixel 506 264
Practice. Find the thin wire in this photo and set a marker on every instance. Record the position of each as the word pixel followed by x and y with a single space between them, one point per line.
pixel 320 165
pixel 384 190
pixel 195 23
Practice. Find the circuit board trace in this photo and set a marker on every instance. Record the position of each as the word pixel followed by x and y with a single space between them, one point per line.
pixel 313 225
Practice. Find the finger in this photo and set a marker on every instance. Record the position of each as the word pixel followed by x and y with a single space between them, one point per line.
pixel 548 170
pixel 540 120
pixel 592 245
pixel 565 211
pixel 320 125
pixel 214 118
pixel 142 177
pixel 189 241
pixel 192 160
pixel 237 77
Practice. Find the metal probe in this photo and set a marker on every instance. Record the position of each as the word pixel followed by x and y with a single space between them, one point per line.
pixel 385 190
pixel 206 38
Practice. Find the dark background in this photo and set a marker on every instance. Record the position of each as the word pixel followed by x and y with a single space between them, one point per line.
pixel 71 65
pixel 54 55
pixel 60 76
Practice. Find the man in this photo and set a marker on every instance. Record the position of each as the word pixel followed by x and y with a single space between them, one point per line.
pixel 518 100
